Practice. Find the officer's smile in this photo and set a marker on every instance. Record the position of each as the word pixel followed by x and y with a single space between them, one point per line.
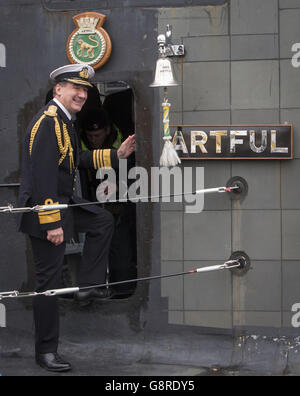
pixel 78 102
pixel 72 96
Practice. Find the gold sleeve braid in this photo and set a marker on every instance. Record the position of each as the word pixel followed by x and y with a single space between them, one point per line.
pixel 102 159
pixel 63 149
pixel 49 216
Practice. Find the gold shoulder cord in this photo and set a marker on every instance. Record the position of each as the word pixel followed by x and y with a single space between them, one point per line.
pixel 34 132
pixel 67 147
pixel 63 149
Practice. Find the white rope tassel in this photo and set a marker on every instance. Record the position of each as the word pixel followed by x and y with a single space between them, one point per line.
pixel 169 156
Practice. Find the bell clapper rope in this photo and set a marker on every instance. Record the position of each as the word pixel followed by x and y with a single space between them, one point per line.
pixel 169 155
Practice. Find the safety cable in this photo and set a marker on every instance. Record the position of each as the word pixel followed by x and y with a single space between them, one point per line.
pixel 10 209
pixel 228 265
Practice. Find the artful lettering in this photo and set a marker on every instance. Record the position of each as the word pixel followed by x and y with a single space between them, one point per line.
pixel 247 142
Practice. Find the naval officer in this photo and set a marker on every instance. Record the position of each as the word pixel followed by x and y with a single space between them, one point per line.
pixel 51 157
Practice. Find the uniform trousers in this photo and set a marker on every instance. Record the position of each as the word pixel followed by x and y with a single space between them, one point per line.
pixel 49 259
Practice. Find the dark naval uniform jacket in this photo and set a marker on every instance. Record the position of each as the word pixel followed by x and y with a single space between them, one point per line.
pixel 51 157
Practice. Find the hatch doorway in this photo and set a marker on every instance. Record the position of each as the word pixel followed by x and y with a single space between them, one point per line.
pixel 110 109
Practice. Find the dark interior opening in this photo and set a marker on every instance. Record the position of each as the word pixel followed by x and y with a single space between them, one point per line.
pixel 113 101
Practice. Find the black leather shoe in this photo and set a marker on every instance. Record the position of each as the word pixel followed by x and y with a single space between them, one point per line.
pixel 93 294
pixel 52 362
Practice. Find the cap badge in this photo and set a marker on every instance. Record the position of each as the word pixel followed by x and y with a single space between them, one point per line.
pixel 84 73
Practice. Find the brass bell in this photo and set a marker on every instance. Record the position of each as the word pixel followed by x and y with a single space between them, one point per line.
pixel 164 74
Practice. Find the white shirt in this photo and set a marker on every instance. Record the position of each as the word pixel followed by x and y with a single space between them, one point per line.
pixel 63 108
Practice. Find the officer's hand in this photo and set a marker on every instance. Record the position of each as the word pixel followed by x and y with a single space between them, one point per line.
pixel 127 148
pixel 56 236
